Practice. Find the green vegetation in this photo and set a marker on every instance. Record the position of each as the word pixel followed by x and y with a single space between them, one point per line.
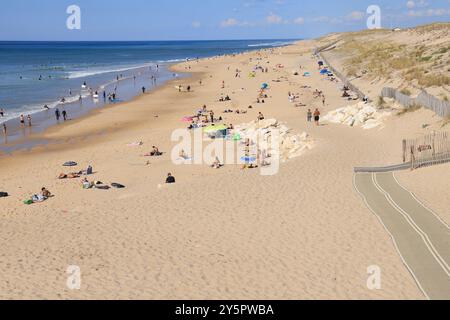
pixel 406 92
pixel 410 109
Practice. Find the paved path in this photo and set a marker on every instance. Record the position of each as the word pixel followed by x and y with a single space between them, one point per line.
pixel 420 236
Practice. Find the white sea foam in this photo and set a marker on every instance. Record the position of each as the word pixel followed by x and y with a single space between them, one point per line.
pixel 271 44
pixel 98 71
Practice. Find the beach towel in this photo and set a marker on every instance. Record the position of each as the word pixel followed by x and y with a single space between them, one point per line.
pixel 70 164
pixel 135 144
pixel 3 194
pixel 102 187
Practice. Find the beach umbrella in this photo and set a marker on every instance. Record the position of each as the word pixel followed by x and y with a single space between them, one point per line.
pixel 264 86
pixel 324 71
pixel 212 129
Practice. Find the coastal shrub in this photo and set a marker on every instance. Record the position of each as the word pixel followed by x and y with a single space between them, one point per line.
pixel 381 102
pixel 406 92
pixel 410 109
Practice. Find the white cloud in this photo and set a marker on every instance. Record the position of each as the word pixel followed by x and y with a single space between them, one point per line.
pixel 299 20
pixel 231 22
pixel 274 19
pixel 356 15
pixel 410 4
pixel 429 13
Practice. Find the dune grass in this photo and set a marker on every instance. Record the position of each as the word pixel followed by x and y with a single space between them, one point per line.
pixel 410 109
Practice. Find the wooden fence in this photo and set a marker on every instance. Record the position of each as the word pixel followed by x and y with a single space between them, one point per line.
pixel 343 78
pixel 429 150
pixel 441 108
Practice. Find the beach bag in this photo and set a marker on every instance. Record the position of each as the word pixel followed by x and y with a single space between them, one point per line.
pixel 3 194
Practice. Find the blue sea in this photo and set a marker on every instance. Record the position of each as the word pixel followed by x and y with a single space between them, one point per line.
pixel 52 74
pixel 34 74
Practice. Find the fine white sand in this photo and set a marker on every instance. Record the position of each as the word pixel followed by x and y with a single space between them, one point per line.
pixel 216 234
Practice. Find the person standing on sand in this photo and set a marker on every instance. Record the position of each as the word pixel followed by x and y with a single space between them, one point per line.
pixel 22 120
pixel 323 100
pixel 309 115
pixel 57 114
pixel 211 114
pixel 143 89
pixel 64 114
pixel 317 117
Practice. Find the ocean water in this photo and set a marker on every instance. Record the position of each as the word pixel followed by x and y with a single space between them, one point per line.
pixel 38 74
pixel 34 74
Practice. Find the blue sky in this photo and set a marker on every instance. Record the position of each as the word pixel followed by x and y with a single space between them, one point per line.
pixel 206 19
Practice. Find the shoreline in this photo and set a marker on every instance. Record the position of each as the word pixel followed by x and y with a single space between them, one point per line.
pixel 30 141
pixel 215 234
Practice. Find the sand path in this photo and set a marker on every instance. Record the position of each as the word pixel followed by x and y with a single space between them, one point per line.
pixel 420 236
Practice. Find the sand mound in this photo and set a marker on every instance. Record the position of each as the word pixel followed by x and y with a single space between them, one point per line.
pixel 361 114
pixel 264 132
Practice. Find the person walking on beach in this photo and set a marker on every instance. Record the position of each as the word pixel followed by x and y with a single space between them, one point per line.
pixel 143 89
pixel 323 100
pixel 211 114
pixel 317 117
pixel 309 115
pixel 29 120
pixel 64 114
pixel 22 120
pixel 57 114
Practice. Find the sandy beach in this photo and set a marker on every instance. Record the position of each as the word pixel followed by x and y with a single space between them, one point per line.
pixel 303 233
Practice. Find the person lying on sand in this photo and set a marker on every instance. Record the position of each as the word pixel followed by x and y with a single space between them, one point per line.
pixel 216 164
pixel 72 175
pixel 183 155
